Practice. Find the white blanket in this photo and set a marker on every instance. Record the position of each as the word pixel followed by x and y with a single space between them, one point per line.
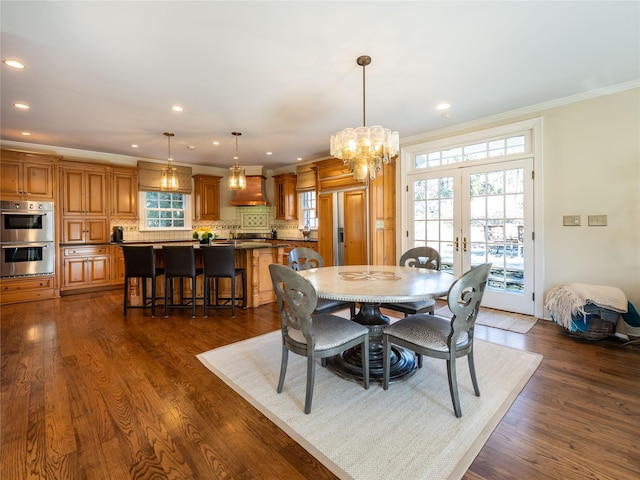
pixel 569 299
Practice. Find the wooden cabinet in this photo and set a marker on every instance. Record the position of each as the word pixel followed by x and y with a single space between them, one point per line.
pixel 375 234
pixel 124 192
pixel 286 196
pixel 294 244
pixel 27 289
pixel 84 197
pixel 85 267
pixel 206 197
pixel 26 176
pixel 117 266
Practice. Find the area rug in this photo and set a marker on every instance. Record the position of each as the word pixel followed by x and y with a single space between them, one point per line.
pixel 408 431
pixel 514 322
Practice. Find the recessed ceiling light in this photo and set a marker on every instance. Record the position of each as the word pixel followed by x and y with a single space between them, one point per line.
pixel 299 158
pixel 133 145
pixel 269 153
pixel 215 142
pixel 443 106
pixel 191 147
pixel 13 64
pixel 26 134
pixel 21 106
pixel 177 108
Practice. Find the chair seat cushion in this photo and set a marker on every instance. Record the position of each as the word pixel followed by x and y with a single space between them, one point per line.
pixel 413 307
pixel 330 331
pixel 427 331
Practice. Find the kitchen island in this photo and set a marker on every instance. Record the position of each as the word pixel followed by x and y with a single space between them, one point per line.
pixel 254 257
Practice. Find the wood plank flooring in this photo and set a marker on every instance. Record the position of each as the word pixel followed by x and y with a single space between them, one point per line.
pixel 87 394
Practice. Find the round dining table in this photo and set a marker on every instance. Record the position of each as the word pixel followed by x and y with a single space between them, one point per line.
pixel 370 286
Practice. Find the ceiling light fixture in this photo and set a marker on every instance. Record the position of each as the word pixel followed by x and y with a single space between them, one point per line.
pixel 237 177
pixel 21 106
pixel 13 64
pixel 364 149
pixel 169 179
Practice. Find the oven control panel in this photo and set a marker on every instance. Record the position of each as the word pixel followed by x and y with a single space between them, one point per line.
pixel 9 206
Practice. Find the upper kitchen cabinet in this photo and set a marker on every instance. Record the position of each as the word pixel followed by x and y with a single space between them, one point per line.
pixel 206 201
pixel 26 176
pixel 124 192
pixel 286 196
pixel 83 192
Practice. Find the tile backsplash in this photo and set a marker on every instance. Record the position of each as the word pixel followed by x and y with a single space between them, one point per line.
pixel 259 219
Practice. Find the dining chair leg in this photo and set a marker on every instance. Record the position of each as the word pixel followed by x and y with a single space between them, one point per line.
pixel 167 281
pixel 207 293
pixel 311 377
pixel 386 361
pixel 283 368
pixel 365 362
pixel 453 386
pixel 472 371
pixel 233 297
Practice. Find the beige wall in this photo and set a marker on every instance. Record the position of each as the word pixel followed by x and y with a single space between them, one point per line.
pixel 592 166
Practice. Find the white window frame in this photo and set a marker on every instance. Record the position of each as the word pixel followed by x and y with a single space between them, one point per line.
pixel 188 220
pixel 314 224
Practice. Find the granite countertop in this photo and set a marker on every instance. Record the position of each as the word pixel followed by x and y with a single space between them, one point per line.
pixel 239 245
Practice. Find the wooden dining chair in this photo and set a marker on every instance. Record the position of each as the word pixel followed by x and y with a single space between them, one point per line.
pixel 418 257
pixel 316 336
pixel 303 258
pixel 442 337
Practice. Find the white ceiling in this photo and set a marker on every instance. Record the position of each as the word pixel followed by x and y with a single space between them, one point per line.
pixel 101 76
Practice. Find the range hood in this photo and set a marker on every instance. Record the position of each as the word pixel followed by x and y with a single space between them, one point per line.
pixel 252 195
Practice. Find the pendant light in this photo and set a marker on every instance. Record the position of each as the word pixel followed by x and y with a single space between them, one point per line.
pixel 237 177
pixel 169 179
pixel 364 149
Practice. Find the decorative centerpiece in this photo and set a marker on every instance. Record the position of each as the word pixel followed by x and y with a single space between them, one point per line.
pixel 204 235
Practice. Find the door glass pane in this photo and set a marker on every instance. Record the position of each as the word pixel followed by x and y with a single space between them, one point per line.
pixel 497 226
pixel 433 217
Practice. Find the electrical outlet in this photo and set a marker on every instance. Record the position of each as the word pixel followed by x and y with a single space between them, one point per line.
pixel 571 220
pixel 597 220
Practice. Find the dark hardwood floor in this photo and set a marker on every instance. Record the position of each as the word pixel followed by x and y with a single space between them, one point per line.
pixel 87 394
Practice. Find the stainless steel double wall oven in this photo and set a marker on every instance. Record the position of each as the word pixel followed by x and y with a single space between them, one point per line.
pixel 27 235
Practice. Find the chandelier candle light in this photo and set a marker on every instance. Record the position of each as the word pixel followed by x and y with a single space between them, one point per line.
pixel 169 180
pixel 237 178
pixel 364 149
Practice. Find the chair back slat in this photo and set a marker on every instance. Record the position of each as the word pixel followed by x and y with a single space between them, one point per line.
pixel 296 298
pixel 303 258
pixel 421 257
pixel 464 299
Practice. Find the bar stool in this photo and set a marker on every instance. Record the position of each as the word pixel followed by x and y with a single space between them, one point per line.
pixel 218 262
pixel 179 262
pixel 140 262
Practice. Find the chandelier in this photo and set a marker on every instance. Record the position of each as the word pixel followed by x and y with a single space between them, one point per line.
pixel 169 179
pixel 237 178
pixel 364 149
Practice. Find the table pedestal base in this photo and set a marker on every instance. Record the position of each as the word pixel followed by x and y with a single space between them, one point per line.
pixel 349 363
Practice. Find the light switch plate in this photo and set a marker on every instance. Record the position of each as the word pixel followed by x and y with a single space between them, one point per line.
pixel 597 220
pixel 571 220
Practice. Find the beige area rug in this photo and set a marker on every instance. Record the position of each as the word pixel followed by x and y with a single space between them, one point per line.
pixel 407 432
pixel 514 322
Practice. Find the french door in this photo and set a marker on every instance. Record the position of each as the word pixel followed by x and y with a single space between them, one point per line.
pixel 478 214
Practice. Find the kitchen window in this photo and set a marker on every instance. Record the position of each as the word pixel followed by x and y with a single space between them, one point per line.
pixel 165 211
pixel 308 209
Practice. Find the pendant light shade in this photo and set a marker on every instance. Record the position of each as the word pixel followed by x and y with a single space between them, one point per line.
pixel 237 177
pixel 364 149
pixel 169 179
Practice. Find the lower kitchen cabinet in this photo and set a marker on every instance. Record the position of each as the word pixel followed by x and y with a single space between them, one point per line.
pixel 85 267
pixel 27 289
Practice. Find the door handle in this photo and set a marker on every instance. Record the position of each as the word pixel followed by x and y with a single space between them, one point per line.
pixel 464 244
pixel 457 244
